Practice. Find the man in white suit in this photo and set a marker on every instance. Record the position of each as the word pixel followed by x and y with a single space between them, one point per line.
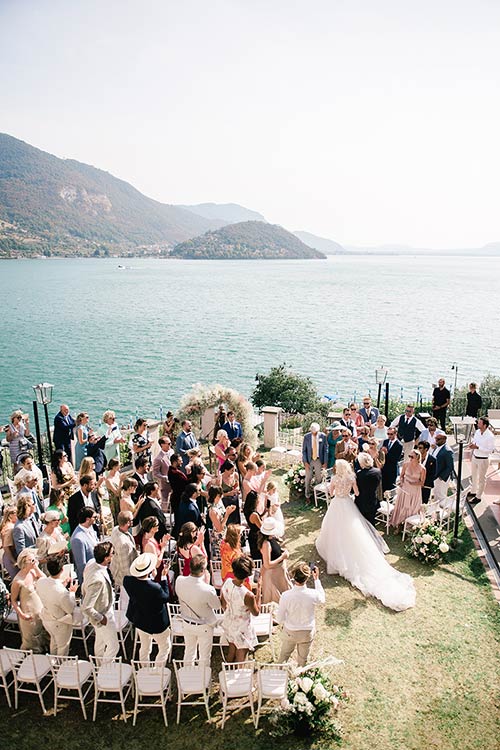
pixel 314 456
pixel 98 601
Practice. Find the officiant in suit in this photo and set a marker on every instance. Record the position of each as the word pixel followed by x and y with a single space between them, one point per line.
pixel 64 424
pixel 393 449
pixel 314 456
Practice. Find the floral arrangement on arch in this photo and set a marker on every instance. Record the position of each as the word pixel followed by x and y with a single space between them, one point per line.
pixel 310 707
pixel 295 478
pixel 428 543
pixel 202 397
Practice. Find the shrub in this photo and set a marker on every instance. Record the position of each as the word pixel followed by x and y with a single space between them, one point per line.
pixel 282 387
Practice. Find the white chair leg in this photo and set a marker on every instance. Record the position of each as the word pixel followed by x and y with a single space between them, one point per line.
pixel 179 708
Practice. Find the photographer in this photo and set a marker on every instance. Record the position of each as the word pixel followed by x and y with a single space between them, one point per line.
pixel 296 613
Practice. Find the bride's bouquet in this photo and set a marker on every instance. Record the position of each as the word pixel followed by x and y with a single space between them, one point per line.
pixel 428 543
pixel 310 707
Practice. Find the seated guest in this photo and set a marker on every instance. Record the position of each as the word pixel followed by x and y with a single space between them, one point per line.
pixel 26 529
pixel 58 606
pixel 86 497
pixel 83 541
pixel 239 604
pixel 428 461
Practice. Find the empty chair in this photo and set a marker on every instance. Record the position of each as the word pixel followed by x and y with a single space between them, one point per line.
pixel 81 628
pixel 151 681
pixel 272 685
pixel 73 679
pixel 263 624
pixel 384 511
pixel 176 627
pixel 32 673
pixel 8 663
pixel 123 627
pixel 193 686
pixel 236 681
pixel 111 676
pixel 11 621
pixel 216 573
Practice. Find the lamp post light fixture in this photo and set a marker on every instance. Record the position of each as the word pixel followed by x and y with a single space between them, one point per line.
pixel 462 430
pixel 380 378
pixel 43 393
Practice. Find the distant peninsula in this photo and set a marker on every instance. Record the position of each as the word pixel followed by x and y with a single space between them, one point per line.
pixel 244 241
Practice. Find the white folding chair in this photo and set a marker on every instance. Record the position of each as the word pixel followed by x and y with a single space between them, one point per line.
pixel 216 573
pixel 263 624
pixel 320 493
pixel 123 627
pixel 236 681
pixel 176 626
pixel 81 628
pixel 8 663
pixel 111 676
pixel 11 622
pixel 71 675
pixel 431 512
pixel 151 681
pixel 31 671
pixel 192 680
pixel 385 509
pixel 272 685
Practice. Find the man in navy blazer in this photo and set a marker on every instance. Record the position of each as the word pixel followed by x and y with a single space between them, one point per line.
pixel 232 427
pixel 393 449
pixel 64 424
pixel 314 456
pixel 444 468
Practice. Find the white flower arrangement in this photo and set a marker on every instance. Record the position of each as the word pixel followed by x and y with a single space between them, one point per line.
pixel 295 478
pixel 428 543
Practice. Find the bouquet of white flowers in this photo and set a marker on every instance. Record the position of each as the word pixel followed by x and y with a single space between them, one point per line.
pixel 310 707
pixel 295 479
pixel 428 543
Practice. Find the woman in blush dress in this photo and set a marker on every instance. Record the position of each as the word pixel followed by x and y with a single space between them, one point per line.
pixel 409 496
pixel 352 548
pixel 27 603
pixel 6 542
pixel 274 576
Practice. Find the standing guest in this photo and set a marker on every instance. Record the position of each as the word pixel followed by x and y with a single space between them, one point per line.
pixel 275 578
pixel 113 484
pixel 86 497
pixel 51 541
pixel 441 398
pixel 380 429
pixel 363 435
pixel 346 449
pixel 28 466
pixel 368 479
pixel 218 516
pixel 334 437
pixel 347 421
pixel 220 420
pixel 141 444
pixel 29 485
pixel 98 601
pixel 151 506
pixel 189 545
pixel 296 614
pixel 129 488
pixel 408 426
pixel 58 606
pixel 188 509
pixel 314 456
pixel 147 609
pixel 444 468
pixel 170 426
pixel 474 402
pixel 142 467
pixel 26 602
pixel 197 600
pixel 229 482
pixel 124 547
pixel 409 497
pixel 113 437
pixel 64 425
pixel 378 455
pixel 430 433
pixel 82 438
pixel 149 544
pixel 232 427
pixel 355 416
pixel 56 502
pixel 254 521
pixel 9 519
pixel 239 604
pixel 177 480
pixel 63 475
pixel 273 508
pixel 221 447
pixel 17 433
pixel 186 440
pixel 83 541
pixel 368 412
pixel 245 454
pixel 161 465
pixel 393 450
pixel 27 528
pixel 429 463
pixel 483 443
pixel 230 548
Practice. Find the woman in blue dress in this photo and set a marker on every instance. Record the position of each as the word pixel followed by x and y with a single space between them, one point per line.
pixel 82 438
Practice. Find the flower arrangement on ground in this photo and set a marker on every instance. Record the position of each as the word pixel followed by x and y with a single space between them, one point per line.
pixel 428 543
pixel 295 479
pixel 310 707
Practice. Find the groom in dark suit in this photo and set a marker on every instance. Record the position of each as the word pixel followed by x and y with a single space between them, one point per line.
pixel 64 425
pixel 393 449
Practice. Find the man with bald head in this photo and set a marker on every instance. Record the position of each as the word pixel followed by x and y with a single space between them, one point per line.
pixel 440 401
pixel 64 425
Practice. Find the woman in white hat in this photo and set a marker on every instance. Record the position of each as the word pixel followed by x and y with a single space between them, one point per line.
pixel 51 541
pixel 275 578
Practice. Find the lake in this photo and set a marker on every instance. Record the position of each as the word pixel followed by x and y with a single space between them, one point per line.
pixel 133 339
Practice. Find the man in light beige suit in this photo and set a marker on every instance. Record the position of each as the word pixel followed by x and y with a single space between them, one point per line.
pixel 98 601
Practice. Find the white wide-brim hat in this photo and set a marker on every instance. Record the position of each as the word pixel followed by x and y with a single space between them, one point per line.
pixel 143 565
pixel 268 526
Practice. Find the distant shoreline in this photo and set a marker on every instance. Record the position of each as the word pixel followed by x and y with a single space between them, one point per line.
pixel 350 254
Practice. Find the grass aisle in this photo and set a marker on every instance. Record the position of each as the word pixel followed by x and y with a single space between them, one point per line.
pixel 422 679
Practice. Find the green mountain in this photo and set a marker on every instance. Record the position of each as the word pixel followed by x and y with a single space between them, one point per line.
pixel 247 239
pixel 62 207
pixel 229 213
pixel 329 247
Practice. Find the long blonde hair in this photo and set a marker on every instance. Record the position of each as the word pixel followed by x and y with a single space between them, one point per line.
pixel 344 470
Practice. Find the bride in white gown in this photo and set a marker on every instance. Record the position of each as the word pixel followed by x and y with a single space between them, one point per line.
pixel 352 548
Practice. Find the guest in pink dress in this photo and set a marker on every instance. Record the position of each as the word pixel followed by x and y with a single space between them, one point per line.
pixel 409 496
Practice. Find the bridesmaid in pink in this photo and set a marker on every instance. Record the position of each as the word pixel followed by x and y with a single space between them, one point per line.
pixel 409 496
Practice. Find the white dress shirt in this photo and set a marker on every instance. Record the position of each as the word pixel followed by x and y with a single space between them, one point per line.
pixel 296 607
pixel 197 600
pixel 485 442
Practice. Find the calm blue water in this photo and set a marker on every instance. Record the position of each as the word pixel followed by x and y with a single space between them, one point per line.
pixel 134 339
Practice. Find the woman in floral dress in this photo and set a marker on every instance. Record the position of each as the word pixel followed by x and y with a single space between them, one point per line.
pixel 239 605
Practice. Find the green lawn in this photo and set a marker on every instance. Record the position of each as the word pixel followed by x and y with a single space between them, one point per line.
pixel 422 679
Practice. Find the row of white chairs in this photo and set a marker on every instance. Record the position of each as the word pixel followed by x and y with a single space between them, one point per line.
pixel 113 681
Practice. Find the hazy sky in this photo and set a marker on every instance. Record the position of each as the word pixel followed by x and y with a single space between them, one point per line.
pixel 365 121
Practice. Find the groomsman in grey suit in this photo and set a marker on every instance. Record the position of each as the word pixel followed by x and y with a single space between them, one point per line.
pixel 314 456
pixel 98 601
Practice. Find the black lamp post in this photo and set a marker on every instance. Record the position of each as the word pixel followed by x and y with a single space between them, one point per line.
pixel 43 392
pixel 380 378
pixel 462 429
